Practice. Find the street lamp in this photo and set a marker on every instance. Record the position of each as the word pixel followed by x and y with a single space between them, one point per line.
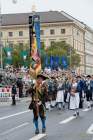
pixel 1 53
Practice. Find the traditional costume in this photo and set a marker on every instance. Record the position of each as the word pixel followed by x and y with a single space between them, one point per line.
pixel 74 99
pixel 38 103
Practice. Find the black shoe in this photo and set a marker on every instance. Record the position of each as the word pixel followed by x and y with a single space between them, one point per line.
pixel 37 131
pixel 59 108
pixel 64 107
pixel 43 130
pixel 13 104
pixel 77 113
pixel 88 106
pixel 51 106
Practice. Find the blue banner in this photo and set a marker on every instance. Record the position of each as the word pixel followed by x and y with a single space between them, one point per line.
pixel 37 29
pixel 64 61
pixel 57 61
pixel 51 61
pixel 46 61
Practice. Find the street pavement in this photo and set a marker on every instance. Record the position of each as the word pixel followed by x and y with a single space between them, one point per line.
pixel 16 123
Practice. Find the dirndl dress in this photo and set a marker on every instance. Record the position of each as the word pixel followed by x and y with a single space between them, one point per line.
pixel 74 101
pixel 60 96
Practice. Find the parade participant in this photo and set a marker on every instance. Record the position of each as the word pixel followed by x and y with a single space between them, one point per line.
pixel 74 98
pixel 50 95
pixel 38 103
pixel 91 84
pixel 89 91
pixel 55 84
pixel 60 94
pixel 80 89
pixel 67 90
pixel 14 92
pixel 20 87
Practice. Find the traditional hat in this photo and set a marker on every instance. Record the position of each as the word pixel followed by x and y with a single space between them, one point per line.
pixel 78 76
pixel 43 77
pixel 88 76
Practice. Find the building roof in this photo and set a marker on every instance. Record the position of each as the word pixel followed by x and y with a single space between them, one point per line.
pixel 45 17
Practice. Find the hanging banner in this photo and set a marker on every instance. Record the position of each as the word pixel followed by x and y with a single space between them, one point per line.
pixel 34 30
pixel 36 19
pixel 24 54
pixel 8 52
pixel 64 62
pixel 51 61
pixel 56 61
pixel 46 61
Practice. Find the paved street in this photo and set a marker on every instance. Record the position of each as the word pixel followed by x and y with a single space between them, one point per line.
pixel 16 123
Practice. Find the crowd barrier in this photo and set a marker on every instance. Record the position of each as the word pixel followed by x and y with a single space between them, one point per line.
pixel 5 94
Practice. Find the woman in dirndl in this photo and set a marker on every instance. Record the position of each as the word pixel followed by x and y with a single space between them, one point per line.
pixel 74 98
pixel 60 95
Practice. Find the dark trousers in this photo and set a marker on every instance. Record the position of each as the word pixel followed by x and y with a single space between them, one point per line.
pixel 20 92
pixel 89 95
pixel 65 96
pixel 81 100
pixel 13 100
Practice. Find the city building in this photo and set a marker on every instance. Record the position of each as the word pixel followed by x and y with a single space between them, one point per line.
pixel 88 50
pixel 55 26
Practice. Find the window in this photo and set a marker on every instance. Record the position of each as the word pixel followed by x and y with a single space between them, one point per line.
pixel 11 45
pixel 10 34
pixel 63 31
pixel 21 44
pixel 20 33
pixel 41 32
pixel 52 31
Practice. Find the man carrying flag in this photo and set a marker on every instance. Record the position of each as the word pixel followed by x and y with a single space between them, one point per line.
pixel 39 91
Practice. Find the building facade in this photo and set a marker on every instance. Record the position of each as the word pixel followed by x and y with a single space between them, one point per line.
pixel 89 50
pixel 55 26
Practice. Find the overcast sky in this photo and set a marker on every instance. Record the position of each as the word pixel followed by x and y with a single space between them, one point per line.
pixel 80 9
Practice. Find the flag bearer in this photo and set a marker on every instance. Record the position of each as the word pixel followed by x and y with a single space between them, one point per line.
pixel 38 104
